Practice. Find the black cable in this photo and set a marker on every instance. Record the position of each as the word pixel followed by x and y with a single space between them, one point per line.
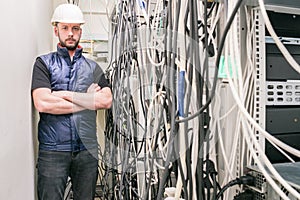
pixel 206 74
pixel 195 53
pixel 246 195
pixel 200 23
pixel 117 91
pixel 215 189
pixel 125 54
pixel 160 117
pixel 171 91
pixel 245 180
pixel 188 91
pixel 220 49
pixel 122 95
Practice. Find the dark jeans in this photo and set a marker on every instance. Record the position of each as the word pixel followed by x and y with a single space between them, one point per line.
pixel 54 168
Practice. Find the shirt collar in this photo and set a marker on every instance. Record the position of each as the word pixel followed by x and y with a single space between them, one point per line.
pixel 63 51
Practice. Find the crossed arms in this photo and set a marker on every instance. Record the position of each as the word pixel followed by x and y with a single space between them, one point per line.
pixel 65 102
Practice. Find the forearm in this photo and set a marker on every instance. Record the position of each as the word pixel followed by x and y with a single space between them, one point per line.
pixel 62 107
pixel 46 102
pixel 101 99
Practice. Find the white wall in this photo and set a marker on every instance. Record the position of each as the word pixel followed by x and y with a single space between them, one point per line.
pixel 25 33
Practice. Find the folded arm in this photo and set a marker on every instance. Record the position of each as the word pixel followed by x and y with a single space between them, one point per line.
pixel 94 99
pixel 45 101
pixel 65 102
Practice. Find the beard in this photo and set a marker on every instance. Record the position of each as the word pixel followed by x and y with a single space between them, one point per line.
pixel 70 47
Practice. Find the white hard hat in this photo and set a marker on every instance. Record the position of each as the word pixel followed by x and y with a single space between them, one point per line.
pixel 67 13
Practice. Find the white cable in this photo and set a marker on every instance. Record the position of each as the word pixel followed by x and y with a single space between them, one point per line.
pixel 261 165
pixel 258 162
pixel 180 61
pixel 235 95
pixel 275 140
pixel 216 126
pixel 142 5
pixel 230 52
pixel 279 44
pixel 215 19
pixel 267 162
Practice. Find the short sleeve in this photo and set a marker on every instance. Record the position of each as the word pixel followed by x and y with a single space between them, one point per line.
pixel 100 77
pixel 40 75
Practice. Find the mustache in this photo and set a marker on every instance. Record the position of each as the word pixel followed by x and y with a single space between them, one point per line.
pixel 71 39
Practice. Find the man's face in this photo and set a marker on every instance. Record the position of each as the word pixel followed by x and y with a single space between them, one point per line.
pixel 68 35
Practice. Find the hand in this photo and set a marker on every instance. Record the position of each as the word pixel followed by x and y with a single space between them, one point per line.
pixel 94 87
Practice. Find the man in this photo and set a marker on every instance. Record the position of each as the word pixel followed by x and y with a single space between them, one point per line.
pixel 67 89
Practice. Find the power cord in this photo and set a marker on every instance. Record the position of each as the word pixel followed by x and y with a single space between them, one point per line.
pixel 246 195
pixel 243 180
